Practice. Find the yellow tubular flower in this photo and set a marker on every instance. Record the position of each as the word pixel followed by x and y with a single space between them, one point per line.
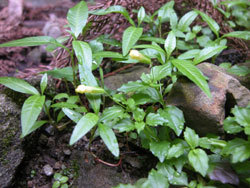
pixel 89 89
pixel 135 54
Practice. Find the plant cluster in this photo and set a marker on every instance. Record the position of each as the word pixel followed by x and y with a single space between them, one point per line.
pixel 139 106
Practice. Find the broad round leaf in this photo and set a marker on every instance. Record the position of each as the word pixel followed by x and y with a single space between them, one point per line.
pixel 191 137
pixel 84 125
pixel 18 85
pixel 160 149
pixel 199 161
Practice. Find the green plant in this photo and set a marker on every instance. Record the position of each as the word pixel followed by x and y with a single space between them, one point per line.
pixel 60 181
pixel 139 106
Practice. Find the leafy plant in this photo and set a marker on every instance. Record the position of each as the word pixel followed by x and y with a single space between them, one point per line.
pixel 60 181
pixel 138 107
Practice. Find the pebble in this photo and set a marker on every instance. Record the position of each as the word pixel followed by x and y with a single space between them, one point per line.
pixel 50 130
pixel 57 165
pixel 67 152
pixel 48 170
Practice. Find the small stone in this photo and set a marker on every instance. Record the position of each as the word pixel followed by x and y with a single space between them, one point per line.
pixel 48 170
pixel 30 184
pixel 50 130
pixel 43 139
pixel 67 152
pixel 57 165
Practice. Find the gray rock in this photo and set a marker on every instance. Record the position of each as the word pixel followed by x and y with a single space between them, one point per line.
pixel 11 151
pixel 132 74
pixel 201 113
pixel 48 170
pixel 98 175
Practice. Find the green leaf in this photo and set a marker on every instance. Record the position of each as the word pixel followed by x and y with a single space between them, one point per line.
pixel 164 13
pixel 174 117
pixel 132 87
pixel 157 48
pixel 124 125
pixel 64 105
pixel 84 55
pixel 43 83
pixel 141 15
pixel 160 149
pixel 199 161
pixel 189 54
pixel 18 85
pixel 83 126
pixel 66 73
pixel 114 9
pixel 170 43
pixel 139 126
pixel 191 137
pixel 242 115
pixel 35 126
pixel 157 180
pixel 176 151
pixel 154 119
pixel 152 39
pixel 193 73
pixel 210 22
pixel 71 114
pixel 160 72
pixel 56 184
pixel 231 126
pixel 239 149
pixel 108 54
pixel 238 34
pixel 111 113
pixel 109 138
pixel 130 36
pixel 30 112
pixel 61 96
pixel 207 53
pixel 186 20
pixel 30 41
pixel 63 179
pixel 239 70
pixel 138 114
pixel 77 17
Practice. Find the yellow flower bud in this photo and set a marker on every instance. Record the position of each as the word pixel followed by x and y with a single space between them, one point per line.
pixel 135 54
pixel 89 89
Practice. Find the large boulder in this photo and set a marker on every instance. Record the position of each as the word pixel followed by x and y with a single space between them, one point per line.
pixel 11 151
pixel 203 114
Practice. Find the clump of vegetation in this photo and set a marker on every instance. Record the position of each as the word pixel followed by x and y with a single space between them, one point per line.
pixel 184 158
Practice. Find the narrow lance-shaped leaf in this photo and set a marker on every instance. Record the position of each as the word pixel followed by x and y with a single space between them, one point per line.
pixel 186 20
pixel 189 54
pixel 30 41
pixel 170 43
pixel 77 17
pixel 65 72
pixel 130 36
pixel 193 73
pixel 239 34
pixel 30 112
pixel 114 9
pixel 44 82
pixel 18 85
pixel 83 126
pixel 108 54
pixel 84 56
pixel 211 23
pixel 141 15
pixel 71 114
pixel 207 53
pixel 109 138
pixel 157 48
